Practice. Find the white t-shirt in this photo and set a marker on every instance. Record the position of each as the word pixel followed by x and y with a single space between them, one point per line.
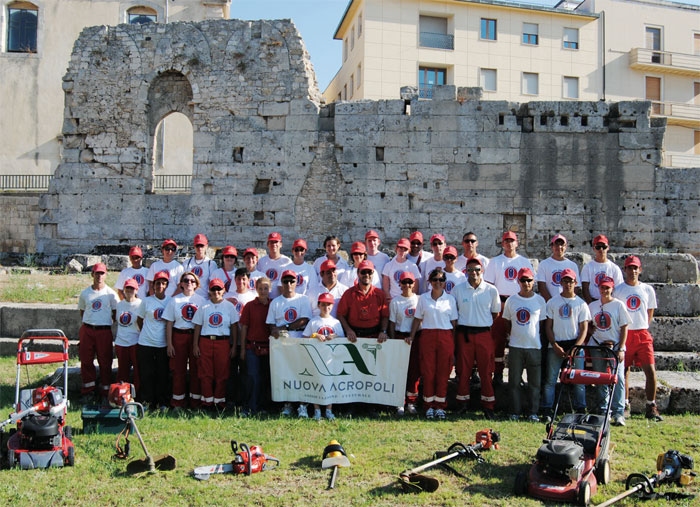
pixel 137 274
pixel 228 277
pixel 424 257
pixel 306 278
pixel 337 291
pixel 525 315
pixel 425 270
pixel 341 265
pixel 181 310
pixel 349 278
pixel 378 260
pixel 216 319
pixel 566 315
pixel 203 269
pixel 401 312
pixel 324 326
pixel 240 300
pixel 594 272
pixel 607 321
pixel 273 270
pixel 284 311
pixel 254 276
pixel 637 299
pixel 476 306
pixel 461 263
pixel 153 330
pixel 127 328
pixel 98 305
pixel 454 279
pixel 393 270
pixel 503 273
pixel 173 267
pixel 549 271
pixel 436 314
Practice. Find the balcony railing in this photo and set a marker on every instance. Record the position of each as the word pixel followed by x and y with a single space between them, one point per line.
pixel 673 63
pixel 425 92
pixel 687 115
pixel 25 182
pixel 671 160
pixel 172 183
pixel 437 40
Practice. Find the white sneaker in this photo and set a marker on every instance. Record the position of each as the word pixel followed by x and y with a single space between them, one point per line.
pixel 287 410
pixel 411 409
pixel 303 414
pixel 440 414
pixel 329 415
pixel 618 420
pixel 317 414
pixel 400 411
pixel 430 414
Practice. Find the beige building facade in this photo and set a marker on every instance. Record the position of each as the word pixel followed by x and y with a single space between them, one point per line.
pixel 36 40
pixel 592 50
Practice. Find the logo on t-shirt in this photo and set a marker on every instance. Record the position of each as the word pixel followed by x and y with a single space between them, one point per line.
pixel 325 331
pixel 565 311
pixel 197 270
pixel 290 315
pixel 522 316
pixel 510 273
pixel 409 312
pixel 634 302
pixel 603 321
pixel 599 277
pixel 188 311
pixel 300 279
pixel 125 318
pixel 251 284
pixel 158 314
pixel 272 274
pixel 556 278
pixel 96 305
pixel 216 319
pixel 237 304
pixel 397 276
pixel 449 286
pixel 139 279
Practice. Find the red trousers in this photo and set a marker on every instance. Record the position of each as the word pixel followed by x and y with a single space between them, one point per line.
pixel 182 342
pixel 95 341
pixel 436 349
pixel 499 335
pixel 213 371
pixel 477 346
pixel 413 376
pixel 126 358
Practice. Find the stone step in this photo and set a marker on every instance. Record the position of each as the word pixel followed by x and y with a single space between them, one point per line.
pixel 677 299
pixel 676 334
pixel 677 361
pixel 15 318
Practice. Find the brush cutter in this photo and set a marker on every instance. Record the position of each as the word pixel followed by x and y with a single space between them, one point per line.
pixel 248 460
pixel 670 466
pixel 334 457
pixel 121 395
pixel 412 480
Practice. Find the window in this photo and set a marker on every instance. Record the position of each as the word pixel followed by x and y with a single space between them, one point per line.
pixel 570 38
pixel 653 93
pixel 433 33
pixel 696 43
pixel 570 90
pixel 653 41
pixel 530 83
pixel 359 25
pixel 345 49
pixel 359 76
pixel 530 34
pixel 488 29
pixel 487 80
pixel 427 79
pixel 141 16
pixel 352 38
pixel 340 97
pixel 345 92
pixel 22 27
pixel 352 85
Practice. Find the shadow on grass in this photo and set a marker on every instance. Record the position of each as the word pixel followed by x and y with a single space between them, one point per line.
pixel 504 473
pixel 308 462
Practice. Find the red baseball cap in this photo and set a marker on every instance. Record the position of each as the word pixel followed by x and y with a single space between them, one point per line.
pixel 216 282
pixel 135 251
pixel 131 283
pixel 569 273
pixel 474 260
pixel 327 265
pixel 558 237
pixel 403 243
pixel 372 234
pixel 450 250
pixel 250 251
pixel 169 242
pixel 229 250
pixel 326 297
pixel 358 247
pixel 525 272
pixel 509 235
pixel 600 239
pixel 365 265
pixel 99 268
pixel 200 239
pixel 161 275
pixel 437 236
pixel 407 275
pixel 607 282
pixel 416 236
pixel 300 243
pixel 633 260
pixel 274 236
pixel 288 273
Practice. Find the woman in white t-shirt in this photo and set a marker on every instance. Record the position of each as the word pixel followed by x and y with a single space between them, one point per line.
pixel 126 341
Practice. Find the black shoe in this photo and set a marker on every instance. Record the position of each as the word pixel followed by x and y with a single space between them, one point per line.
pixel 475 380
pixel 498 379
pixel 488 414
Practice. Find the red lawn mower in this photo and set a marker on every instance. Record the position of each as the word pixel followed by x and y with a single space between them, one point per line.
pixel 41 439
pixel 573 459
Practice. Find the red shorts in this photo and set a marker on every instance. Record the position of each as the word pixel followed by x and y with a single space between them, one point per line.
pixel 640 348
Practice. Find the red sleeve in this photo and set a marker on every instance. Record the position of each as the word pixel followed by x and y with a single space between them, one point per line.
pixel 245 315
pixel 343 305
pixel 383 307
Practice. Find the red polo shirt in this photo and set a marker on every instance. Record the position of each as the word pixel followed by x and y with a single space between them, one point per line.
pixel 363 310
pixel 253 315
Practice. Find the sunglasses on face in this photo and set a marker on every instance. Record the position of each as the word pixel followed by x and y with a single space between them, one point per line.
pixel 300 249
pixel 416 243
pixel 407 282
pixel 439 280
pixel 357 253
pixel 169 249
pixel 469 241
pixel 200 246
pixel 567 281
pixel 601 247
pixel 525 280
pixel 289 281
pixel 508 240
pixel 136 257
pixel 229 256
pixel 473 270
pixel 188 280
pixel 366 272
pixel 449 257
pixel 216 289
pixel 437 242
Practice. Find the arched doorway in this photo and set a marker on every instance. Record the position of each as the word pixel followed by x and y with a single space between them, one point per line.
pixel 173 154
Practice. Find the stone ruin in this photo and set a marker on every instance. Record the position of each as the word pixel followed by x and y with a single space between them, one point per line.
pixel 270 156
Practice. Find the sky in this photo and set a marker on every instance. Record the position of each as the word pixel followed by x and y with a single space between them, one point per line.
pixel 317 20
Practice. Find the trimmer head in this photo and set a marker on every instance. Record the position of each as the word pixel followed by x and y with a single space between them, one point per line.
pixel 417 483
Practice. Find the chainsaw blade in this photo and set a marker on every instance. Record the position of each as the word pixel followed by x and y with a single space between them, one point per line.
pixel 203 473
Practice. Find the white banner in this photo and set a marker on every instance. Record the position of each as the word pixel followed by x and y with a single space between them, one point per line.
pixel 338 371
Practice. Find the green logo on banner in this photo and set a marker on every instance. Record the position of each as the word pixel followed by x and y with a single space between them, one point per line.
pixel 353 357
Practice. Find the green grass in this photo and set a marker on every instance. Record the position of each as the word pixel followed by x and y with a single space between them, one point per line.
pixel 380 448
pixel 45 287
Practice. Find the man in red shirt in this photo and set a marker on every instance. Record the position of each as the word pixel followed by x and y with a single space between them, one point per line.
pixel 363 310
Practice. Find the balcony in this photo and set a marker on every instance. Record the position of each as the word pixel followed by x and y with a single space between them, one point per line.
pixel 437 40
pixel 664 61
pixel 671 160
pixel 683 115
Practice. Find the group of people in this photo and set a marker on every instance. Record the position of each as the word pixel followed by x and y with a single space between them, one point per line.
pixel 452 310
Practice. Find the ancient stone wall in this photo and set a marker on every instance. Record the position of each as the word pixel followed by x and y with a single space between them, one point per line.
pixel 268 156
pixel 20 214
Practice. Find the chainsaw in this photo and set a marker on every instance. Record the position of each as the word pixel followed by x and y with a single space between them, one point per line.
pixel 249 460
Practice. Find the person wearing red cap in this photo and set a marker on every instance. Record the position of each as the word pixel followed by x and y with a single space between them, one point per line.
pixel 274 263
pixel 363 310
pixel 378 258
pixel 306 274
pixel 98 307
pixel 227 272
pixel 332 246
pixel 169 264
pixel 401 311
pixel 478 305
pixel 437 245
pixel 329 284
pixel 416 253
pixel 436 316
pixel 549 270
pixel 393 269
pixel 324 327
pixel 201 265
pixel 126 341
pixel 250 259
pixel 358 252
pixel 523 313
pixel 152 350
pixel 240 294
pixel 179 333
pixel 597 269
pixel 502 272
pixel 469 245
pixel 567 325
pixel 609 319
pixel 215 344
pixel 136 272
pixel 640 300
pixel 454 276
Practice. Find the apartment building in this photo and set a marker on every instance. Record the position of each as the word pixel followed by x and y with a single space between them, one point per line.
pixel 36 40
pixel 591 50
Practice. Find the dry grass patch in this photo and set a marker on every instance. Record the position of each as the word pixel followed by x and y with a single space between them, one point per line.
pixel 45 287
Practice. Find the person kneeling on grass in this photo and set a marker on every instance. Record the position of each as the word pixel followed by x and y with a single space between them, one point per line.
pixel 324 327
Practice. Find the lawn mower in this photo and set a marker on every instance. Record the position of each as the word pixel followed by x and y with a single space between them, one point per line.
pixel 573 459
pixel 41 439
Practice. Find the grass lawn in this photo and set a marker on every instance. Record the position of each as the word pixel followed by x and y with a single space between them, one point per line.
pixel 381 449
pixel 44 287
